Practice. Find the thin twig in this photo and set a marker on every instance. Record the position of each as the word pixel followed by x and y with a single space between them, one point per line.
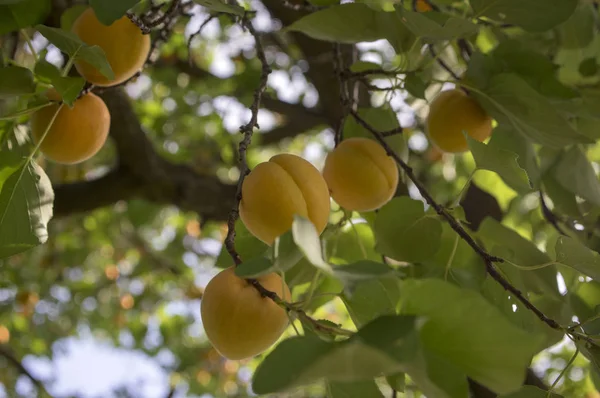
pixel 488 259
pixel 12 359
pixel 149 24
pixel 441 62
pixel 302 5
pixel 196 33
pixel 247 130
pixel 465 49
pixel 349 75
pixel 338 65
pixel 550 216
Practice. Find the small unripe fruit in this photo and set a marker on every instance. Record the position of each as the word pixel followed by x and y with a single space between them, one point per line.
pixel 238 321
pixel 451 113
pixel 124 44
pixel 360 174
pixel 77 133
pixel 276 190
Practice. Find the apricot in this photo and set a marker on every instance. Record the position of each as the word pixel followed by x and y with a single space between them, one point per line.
pixel 238 321
pixel 451 113
pixel 278 189
pixel 360 174
pixel 124 44
pixel 423 6
pixel 77 133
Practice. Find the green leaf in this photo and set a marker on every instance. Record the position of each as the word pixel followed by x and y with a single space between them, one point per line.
pixel 352 243
pixel 415 85
pixel 362 270
pixel 437 26
pixel 220 6
pixel 15 81
pixel 246 244
pixel 531 392
pixel 345 23
pixel 470 333
pixel 108 11
pixel 588 67
pixel 506 138
pixel 23 14
pixel 571 252
pixel 405 233
pixel 355 23
pixel 564 200
pixel 510 100
pixel 575 173
pixel 26 199
pixel 360 66
pixel 381 347
pixel 371 299
pixel 68 17
pixel 454 261
pixel 397 381
pixel 508 244
pixel 578 30
pixel 72 45
pixel 307 238
pixel 254 267
pixel 591 352
pixel 31 108
pixel 584 301
pixel 68 87
pixel 533 67
pixel 359 389
pixel 501 162
pixel 531 15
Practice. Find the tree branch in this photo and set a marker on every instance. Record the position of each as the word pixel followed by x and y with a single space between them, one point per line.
pixel 144 174
pixel 488 259
pixel 17 364
pixel 84 196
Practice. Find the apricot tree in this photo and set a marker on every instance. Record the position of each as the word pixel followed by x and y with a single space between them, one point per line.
pixel 363 198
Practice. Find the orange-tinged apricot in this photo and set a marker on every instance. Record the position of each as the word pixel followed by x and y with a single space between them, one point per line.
pixel 423 6
pixel 238 321
pixel 451 113
pixel 77 133
pixel 276 190
pixel 124 44
pixel 360 174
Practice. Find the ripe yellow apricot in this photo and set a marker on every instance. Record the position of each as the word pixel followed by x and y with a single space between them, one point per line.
pixel 451 113
pixel 238 321
pixel 77 133
pixel 124 44
pixel 360 174
pixel 276 190
pixel 423 6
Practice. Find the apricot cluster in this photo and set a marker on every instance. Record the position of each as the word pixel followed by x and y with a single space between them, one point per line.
pixel 453 112
pixel 359 176
pixel 76 133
